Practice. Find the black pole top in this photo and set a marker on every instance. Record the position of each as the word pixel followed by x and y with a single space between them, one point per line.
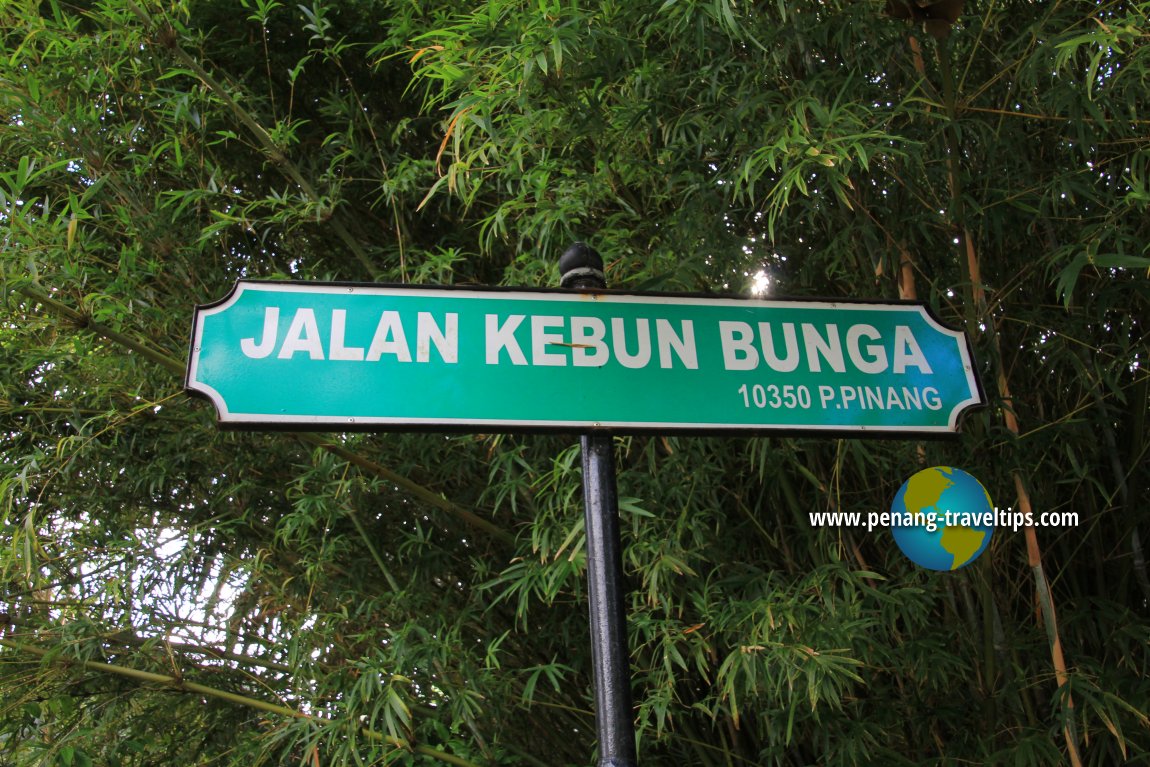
pixel 581 266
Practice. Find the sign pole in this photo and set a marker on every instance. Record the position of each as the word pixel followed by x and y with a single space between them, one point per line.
pixel 340 356
pixel 582 269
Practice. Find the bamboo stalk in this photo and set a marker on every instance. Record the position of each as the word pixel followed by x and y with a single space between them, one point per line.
pixel 353 514
pixel 976 313
pixel 81 320
pixel 419 491
pixel 181 684
pixel 131 640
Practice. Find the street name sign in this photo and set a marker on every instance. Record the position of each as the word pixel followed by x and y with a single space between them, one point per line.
pixel 338 356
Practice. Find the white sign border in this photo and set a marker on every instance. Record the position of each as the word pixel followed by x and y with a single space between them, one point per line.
pixel 304 422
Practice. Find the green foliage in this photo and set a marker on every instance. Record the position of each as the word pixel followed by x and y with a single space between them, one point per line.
pixel 178 595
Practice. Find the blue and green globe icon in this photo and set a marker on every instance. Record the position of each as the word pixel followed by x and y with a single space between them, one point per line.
pixel 950 522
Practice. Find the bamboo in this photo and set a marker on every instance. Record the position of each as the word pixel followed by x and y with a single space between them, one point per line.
pixel 419 491
pixel 179 683
pixel 262 136
pixel 175 365
pixel 81 320
pixel 977 313
pixel 131 640
pixel 371 548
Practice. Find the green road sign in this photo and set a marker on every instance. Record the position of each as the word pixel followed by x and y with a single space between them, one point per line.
pixel 310 355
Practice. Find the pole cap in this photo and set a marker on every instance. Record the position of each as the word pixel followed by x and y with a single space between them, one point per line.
pixel 581 266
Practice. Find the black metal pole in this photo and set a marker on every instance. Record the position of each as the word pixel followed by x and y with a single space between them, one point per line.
pixel 582 268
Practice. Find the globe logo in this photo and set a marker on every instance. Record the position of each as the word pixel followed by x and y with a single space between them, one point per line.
pixel 942 518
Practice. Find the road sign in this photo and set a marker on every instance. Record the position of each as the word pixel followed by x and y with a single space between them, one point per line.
pixel 335 356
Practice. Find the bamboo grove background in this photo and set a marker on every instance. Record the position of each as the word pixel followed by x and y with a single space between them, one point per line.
pixel 174 594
